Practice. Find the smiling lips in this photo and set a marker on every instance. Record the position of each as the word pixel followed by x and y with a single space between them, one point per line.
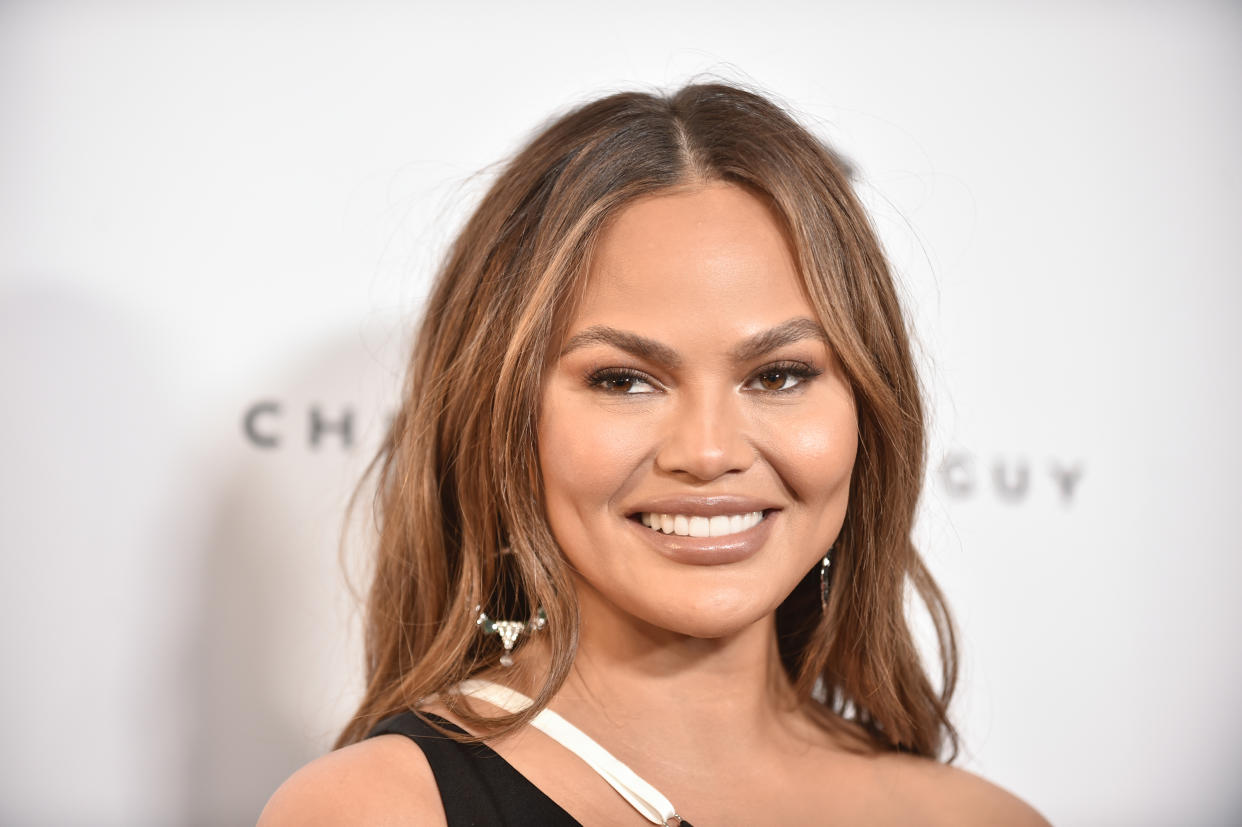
pixel 705 530
pixel 689 525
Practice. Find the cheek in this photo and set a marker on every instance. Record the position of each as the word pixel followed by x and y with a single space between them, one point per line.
pixel 814 453
pixel 586 459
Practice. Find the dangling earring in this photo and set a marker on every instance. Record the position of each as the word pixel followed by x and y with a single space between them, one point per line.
pixel 509 630
pixel 825 578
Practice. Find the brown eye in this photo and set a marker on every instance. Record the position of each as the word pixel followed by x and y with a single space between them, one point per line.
pixel 620 382
pixel 773 380
pixel 782 378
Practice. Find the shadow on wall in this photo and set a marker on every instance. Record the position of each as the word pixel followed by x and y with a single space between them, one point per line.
pixel 177 623
pixel 275 663
pixel 98 539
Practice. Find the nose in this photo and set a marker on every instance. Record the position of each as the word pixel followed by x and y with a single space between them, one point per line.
pixel 704 437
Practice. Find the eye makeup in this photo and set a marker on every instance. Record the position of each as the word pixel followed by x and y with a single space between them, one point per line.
pixel 770 379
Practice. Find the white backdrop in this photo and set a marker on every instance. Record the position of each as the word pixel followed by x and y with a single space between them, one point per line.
pixel 207 207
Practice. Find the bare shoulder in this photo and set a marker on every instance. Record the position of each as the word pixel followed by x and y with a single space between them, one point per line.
pixel 957 796
pixel 383 780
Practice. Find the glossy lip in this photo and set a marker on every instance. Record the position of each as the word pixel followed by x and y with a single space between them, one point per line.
pixel 702 506
pixel 705 551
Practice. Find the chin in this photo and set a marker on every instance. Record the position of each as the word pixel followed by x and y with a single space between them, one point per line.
pixel 715 615
pixel 708 629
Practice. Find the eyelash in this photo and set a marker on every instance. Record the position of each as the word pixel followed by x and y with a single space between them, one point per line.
pixel 799 370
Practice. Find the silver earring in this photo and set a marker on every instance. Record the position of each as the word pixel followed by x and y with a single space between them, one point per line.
pixel 509 630
pixel 825 578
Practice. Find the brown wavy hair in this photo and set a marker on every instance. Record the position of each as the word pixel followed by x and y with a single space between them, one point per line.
pixel 459 502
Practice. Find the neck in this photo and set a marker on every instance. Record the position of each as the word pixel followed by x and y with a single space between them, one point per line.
pixel 650 686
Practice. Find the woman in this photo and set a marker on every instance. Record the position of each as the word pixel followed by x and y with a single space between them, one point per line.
pixel 655 470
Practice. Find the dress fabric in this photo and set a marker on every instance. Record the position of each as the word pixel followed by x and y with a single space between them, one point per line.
pixel 478 788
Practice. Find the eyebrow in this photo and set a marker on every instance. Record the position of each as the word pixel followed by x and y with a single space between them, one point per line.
pixel 785 333
pixel 631 343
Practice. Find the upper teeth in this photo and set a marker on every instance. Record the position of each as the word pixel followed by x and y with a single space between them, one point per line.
pixel 690 526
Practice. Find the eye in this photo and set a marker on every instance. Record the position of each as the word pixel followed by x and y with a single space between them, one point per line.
pixel 781 378
pixel 620 381
pixel 776 380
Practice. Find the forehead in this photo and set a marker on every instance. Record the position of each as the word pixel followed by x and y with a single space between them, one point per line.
pixel 715 257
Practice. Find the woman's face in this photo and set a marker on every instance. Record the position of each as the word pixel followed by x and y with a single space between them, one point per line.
pixel 696 434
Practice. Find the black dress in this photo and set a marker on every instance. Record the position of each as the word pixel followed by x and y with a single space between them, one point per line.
pixel 478 788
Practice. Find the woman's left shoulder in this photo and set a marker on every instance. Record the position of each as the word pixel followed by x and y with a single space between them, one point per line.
pixel 956 796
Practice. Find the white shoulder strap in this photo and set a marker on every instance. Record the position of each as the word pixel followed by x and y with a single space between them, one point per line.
pixel 642 796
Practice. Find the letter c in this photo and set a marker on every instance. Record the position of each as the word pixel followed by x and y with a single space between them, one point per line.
pixel 252 433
